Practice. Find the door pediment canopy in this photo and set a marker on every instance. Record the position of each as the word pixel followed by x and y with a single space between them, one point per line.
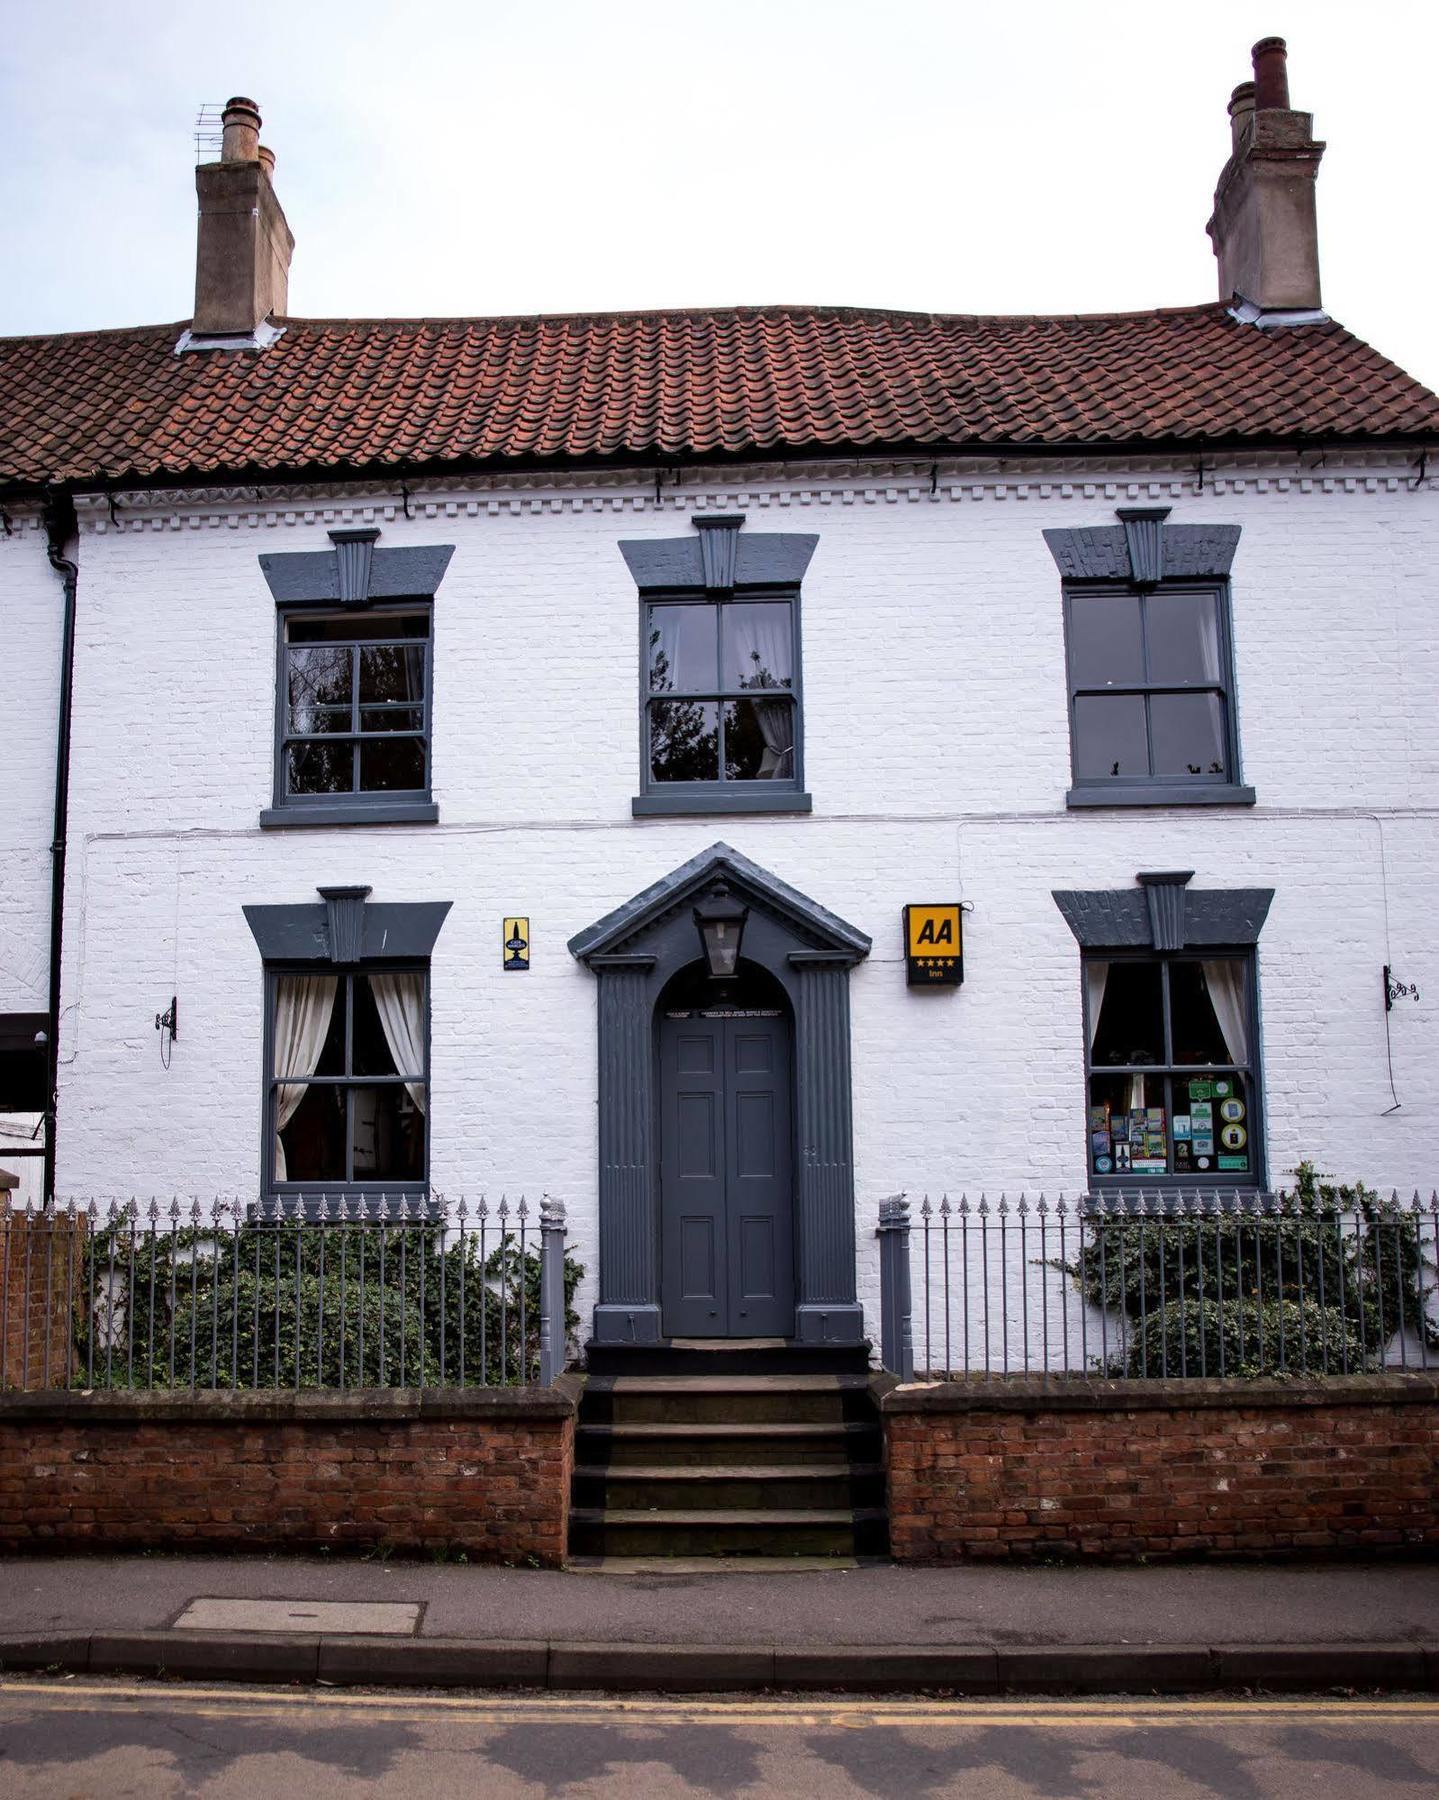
pixel 627 930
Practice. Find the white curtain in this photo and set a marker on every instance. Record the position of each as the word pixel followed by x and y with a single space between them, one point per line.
pixel 759 646
pixel 1096 979
pixel 1209 641
pixel 400 1002
pixel 303 1005
pixel 760 652
pixel 1225 982
pixel 776 726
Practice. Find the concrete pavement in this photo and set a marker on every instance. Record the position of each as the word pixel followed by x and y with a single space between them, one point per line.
pixel 975 1629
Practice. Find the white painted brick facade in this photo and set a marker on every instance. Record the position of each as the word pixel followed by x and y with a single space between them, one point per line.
pixel 31 623
pixel 937 754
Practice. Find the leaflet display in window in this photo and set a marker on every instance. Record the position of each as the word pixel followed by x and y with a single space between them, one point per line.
pixel 1153 1023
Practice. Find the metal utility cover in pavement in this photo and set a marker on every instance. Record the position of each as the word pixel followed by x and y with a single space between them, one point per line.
pixel 392 1618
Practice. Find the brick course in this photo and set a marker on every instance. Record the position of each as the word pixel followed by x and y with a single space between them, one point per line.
pixel 483 1472
pixel 1116 1471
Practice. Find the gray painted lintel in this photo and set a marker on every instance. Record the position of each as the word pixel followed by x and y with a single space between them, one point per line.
pixel 1120 919
pixel 409 572
pixel 1101 552
pixel 762 559
pixel 399 930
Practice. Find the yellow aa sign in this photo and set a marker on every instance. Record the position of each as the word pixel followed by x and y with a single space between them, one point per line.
pixel 933 947
pixel 933 930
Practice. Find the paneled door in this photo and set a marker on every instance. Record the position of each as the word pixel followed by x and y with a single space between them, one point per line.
pixel 726 1173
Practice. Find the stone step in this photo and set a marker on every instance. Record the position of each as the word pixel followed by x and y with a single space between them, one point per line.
pixel 776 1487
pixel 733 1399
pixel 676 1531
pixel 773 1442
pixel 778 1465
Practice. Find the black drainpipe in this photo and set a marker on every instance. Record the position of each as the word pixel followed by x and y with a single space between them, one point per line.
pixel 60 529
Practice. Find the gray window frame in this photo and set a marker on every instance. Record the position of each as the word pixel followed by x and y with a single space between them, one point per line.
pixel 658 798
pixel 288 1198
pixel 1197 1180
pixel 1152 789
pixel 401 807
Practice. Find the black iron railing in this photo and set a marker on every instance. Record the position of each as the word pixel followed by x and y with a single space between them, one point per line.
pixel 1312 1281
pixel 343 1293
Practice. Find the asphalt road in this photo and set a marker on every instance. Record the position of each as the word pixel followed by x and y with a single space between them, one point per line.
pixel 72 1739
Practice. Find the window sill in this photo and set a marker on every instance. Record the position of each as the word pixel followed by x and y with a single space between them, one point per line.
pixel 345 812
pixel 648 806
pixel 1226 793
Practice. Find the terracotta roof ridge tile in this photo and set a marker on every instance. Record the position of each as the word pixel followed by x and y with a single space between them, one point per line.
pixel 776 310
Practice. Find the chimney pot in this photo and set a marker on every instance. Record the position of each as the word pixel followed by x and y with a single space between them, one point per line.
pixel 241 120
pixel 1241 112
pixel 266 158
pixel 1271 75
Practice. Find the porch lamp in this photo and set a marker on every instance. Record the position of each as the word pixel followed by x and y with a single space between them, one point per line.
pixel 720 918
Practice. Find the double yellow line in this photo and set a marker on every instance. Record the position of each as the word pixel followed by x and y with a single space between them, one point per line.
pixel 767 1712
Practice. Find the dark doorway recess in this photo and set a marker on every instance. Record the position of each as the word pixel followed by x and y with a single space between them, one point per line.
pixel 726 1157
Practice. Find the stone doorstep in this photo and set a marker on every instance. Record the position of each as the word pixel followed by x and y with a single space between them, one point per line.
pixel 709 1668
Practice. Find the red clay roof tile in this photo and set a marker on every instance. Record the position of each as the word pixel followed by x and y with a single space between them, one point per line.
pixel 771 381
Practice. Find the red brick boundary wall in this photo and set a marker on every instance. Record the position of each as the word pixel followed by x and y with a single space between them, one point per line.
pixel 486 1471
pixel 1113 1470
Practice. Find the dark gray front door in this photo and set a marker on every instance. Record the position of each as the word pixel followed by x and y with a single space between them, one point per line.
pixel 725 1176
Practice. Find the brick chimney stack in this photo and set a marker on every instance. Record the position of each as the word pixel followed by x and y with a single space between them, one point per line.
pixel 242 262
pixel 1264 229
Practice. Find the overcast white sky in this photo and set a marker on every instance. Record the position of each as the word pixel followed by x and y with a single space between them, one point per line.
pixel 571 155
